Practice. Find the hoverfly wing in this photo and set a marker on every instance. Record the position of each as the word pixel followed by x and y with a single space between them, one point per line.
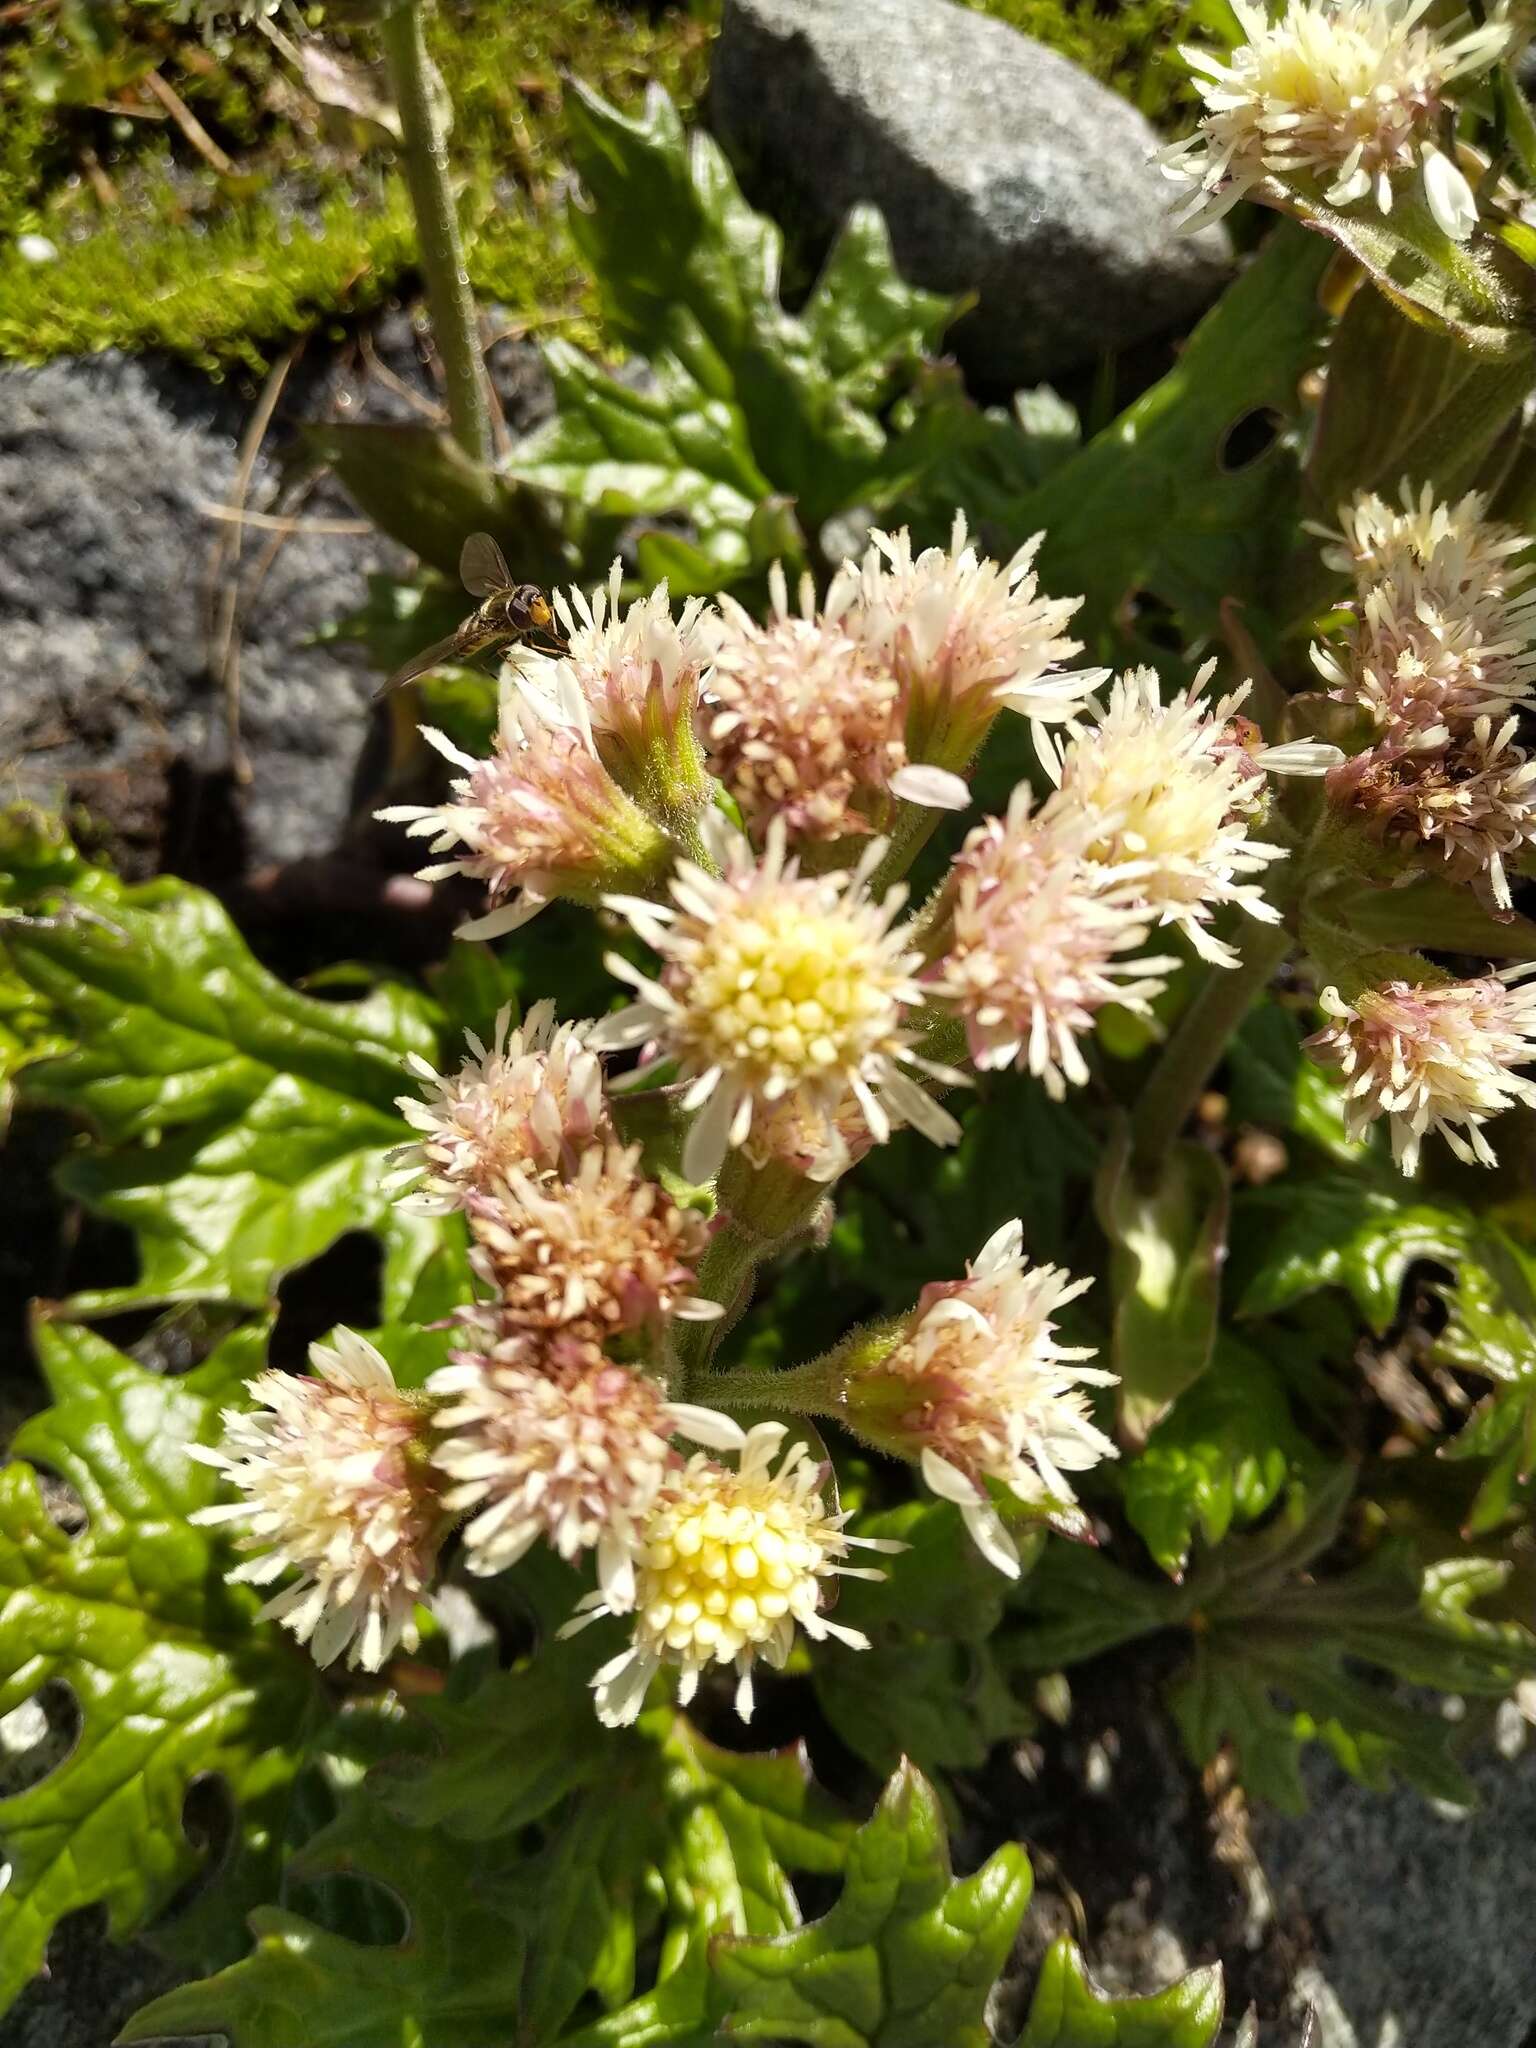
pixel 418 665
pixel 483 567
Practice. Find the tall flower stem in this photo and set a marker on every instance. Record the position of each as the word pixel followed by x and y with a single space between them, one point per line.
pixel 1199 1039
pixel 424 130
pixel 761 1209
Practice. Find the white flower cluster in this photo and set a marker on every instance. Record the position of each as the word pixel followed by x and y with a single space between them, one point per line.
pixel 1336 100
pixel 786 1015
pixel 1441 657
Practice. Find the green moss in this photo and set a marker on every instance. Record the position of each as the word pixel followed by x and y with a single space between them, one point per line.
pixel 167 255
pixel 179 259
pixel 1127 44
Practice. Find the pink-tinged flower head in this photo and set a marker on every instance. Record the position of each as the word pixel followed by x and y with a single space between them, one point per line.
pixel 634 669
pixel 730 1562
pixel 602 1252
pixel 532 1101
pixel 1432 1057
pixel 978 1388
pixel 1166 792
pixel 774 985
pixel 1460 551
pixel 541 817
pixel 964 637
pixel 1036 943
pixel 337 1489
pixel 1423 662
pixel 801 721
pixel 1335 97
pixel 548 1438
pixel 1470 797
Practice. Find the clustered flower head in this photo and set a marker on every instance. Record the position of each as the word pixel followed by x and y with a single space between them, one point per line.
pixel 803 723
pixel 964 636
pixel 1338 99
pixel 979 1386
pixel 730 1562
pixel 631 672
pixel 551 1440
pixel 334 1470
pixel 603 1250
pixel 1165 793
pixel 1440 656
pixel 788 1016
pixel 541 817
pixel 777 985
pixel 530 1101
pixel 1037 940
pixel 1432 1057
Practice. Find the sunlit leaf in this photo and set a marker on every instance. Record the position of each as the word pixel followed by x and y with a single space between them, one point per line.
pixel 905 1959
pixel 171 1674
pixel 1068 2011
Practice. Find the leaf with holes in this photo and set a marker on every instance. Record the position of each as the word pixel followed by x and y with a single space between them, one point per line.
pixel 1361 1234
pixel 1068 2011
pixel 928 1687
pixel 1218 531
pixel 452 1980
pixel 240 1127
pixel 171 1674
pixel 1281 1655
pixel 907 1956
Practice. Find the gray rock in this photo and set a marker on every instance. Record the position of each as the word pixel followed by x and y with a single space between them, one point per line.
pixel 1000 168
pixel 1421 1925
pixel 105 690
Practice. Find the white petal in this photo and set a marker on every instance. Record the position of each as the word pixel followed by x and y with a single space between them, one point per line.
pixel 991 1538
pixel 705 1426
pixel 1449 195
pixel 947 1481
pixel 1300 757
pixel 936 788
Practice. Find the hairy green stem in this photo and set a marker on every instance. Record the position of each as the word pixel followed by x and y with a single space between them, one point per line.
pixel 424 132
pixel 761 1210
pixel 803 1390
pixel 1199 1039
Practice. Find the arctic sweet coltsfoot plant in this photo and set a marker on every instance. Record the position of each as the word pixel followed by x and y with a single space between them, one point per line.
pixel 957 1048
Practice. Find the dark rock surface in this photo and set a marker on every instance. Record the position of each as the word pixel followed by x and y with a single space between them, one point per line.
pixel 110 686
pixel 1423 1925
pixel 1000 167
pixel 106 690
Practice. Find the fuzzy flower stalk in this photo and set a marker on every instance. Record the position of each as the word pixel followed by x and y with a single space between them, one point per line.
pixel 1339 99
pixel 730 1561
pixel 540 817
pixel 530 1102
pixel 775 987
pixel 1432 1057
pixel 338 1491
pixel 979 1389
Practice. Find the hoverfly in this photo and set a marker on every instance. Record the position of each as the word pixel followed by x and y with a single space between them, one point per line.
pixel 507 612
